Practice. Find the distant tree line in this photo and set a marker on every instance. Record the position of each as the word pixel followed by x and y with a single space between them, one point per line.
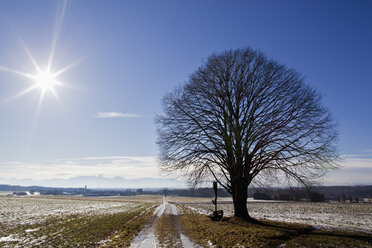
pixel 319 194
pixel 290 195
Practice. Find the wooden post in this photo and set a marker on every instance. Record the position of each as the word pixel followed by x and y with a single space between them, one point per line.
pixel 217 215
pixel 215 195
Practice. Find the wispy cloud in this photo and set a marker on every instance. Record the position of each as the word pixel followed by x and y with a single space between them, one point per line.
pixel 353 170
pixel 364 154
pixel 367 151
pixel 129 167
pixel 109 171
pixel 116 115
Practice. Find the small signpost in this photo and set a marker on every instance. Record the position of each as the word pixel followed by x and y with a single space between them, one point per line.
pixel 217 214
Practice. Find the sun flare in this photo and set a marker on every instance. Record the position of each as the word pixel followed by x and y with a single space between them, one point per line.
pixel 45 80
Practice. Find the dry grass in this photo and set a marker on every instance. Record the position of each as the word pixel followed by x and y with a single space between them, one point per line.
pixel 165 231
pixel 346 216
pixel 124 236
pixel 232 232
pixel 62 222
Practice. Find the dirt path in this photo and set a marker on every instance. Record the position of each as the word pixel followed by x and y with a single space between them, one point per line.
pixel 149 237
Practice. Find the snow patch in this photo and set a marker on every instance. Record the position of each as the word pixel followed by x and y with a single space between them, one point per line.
pixel 198 210
pixel 210 244
pixel 9 239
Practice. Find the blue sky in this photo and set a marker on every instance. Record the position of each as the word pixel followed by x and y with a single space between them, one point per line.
pixel 130 53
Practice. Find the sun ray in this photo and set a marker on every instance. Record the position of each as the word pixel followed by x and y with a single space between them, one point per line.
pixel 33 87
pixel 44 79
pixel 64 85
pixel 66 68
pixel 30 55
pixel 24 74
pixel 54 93
pixel 59 83
pixel 40 102
pixel 58 25
pixel 11 26
pixel 35 121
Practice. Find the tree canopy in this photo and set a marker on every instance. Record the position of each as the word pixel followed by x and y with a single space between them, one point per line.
pixel 242 117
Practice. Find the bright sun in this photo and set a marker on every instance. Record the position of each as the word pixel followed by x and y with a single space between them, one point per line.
pixel 45 80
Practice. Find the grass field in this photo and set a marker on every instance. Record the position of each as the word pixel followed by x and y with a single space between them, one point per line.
pixel 115 221
pixel 345 216
pixel 63 222
pixel 231 232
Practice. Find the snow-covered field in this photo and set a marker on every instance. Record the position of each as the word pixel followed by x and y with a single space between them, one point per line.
pixel 60 222
pixel 354 216
pixel 31 221
pixel 28 211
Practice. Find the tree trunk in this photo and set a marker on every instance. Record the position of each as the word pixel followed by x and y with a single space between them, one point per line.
pixel 239 190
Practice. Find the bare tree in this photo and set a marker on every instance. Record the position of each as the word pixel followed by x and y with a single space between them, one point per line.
pixel 241 118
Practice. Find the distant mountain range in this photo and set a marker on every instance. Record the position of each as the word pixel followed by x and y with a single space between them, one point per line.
pixel 99 182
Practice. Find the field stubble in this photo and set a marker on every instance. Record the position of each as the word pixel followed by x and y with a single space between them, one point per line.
pixel 113 222
pixel 345 216
pixel 52 222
